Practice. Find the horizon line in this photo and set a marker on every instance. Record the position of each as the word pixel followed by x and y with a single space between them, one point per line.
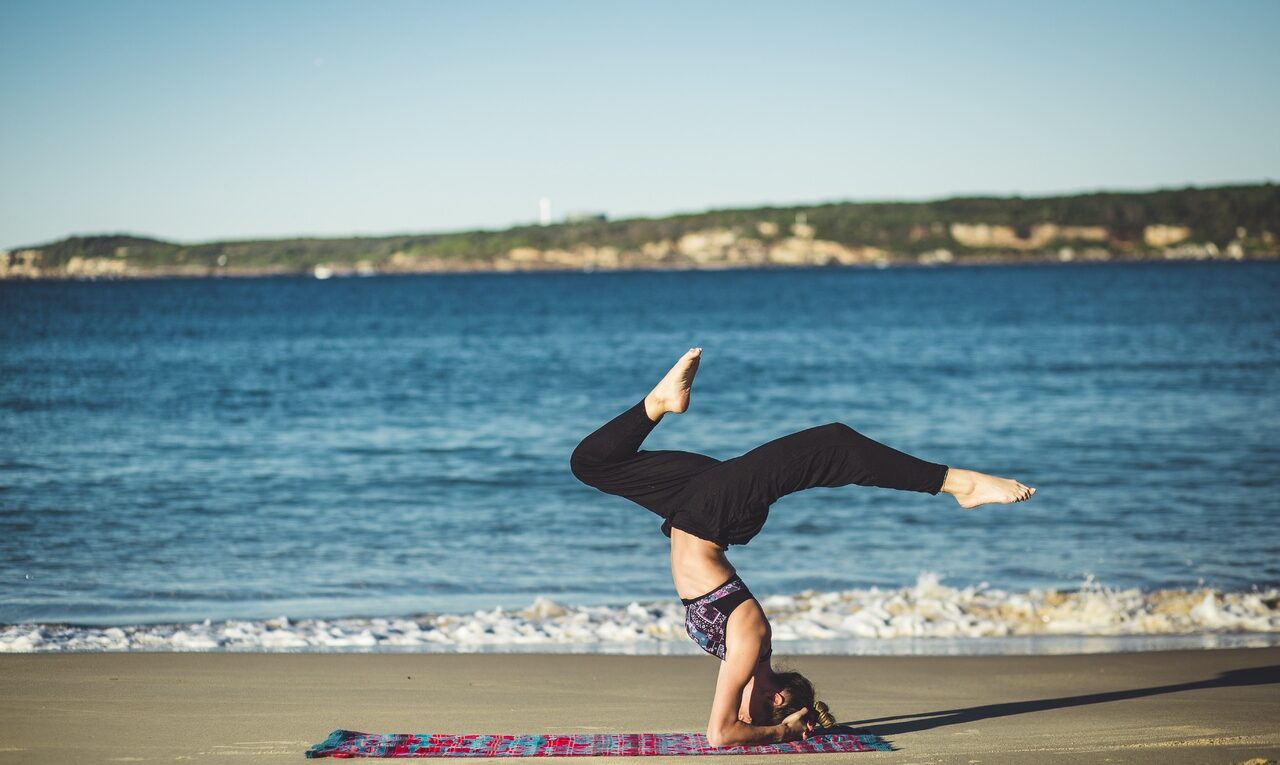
pixel 533 223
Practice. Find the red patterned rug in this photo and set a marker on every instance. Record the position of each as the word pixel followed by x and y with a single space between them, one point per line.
pixel 349 743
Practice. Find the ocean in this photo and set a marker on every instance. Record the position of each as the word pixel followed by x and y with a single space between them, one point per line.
pixel 382 462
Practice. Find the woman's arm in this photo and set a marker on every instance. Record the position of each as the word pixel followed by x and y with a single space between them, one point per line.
pixel 741 655
pixel 725 729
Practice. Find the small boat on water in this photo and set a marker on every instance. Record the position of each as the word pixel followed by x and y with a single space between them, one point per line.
pixel 322 272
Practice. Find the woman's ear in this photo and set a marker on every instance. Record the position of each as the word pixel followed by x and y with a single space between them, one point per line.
pixel 779 699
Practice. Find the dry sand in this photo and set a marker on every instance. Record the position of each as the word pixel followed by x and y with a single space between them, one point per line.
pixel 1162 707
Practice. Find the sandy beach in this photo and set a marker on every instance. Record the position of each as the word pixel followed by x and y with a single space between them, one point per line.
pixel 1161 707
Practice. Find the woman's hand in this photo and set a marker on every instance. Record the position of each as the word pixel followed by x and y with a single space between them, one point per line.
pixel 796 727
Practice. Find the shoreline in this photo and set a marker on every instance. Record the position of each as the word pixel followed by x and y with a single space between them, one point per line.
pixel 928 618
pixel 1155 707
pixel 480 268
pixel 1010 646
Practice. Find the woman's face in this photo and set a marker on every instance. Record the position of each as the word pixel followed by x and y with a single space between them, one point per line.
pixel 760 703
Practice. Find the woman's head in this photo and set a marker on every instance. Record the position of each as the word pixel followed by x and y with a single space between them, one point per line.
pixel 797 693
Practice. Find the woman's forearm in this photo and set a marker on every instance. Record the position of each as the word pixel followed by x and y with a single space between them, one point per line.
pixel 741 734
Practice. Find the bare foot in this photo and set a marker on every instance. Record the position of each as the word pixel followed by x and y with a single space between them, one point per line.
pixel 671 394
pixel 972 489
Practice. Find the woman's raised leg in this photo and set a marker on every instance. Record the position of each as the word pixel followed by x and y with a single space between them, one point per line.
pixel 610 459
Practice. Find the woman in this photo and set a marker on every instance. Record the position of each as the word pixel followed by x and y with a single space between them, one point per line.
pixel 707 505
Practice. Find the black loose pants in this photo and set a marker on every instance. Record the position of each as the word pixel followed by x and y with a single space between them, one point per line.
pixel 727 502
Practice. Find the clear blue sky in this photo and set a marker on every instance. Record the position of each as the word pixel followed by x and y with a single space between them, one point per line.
pixel 198 120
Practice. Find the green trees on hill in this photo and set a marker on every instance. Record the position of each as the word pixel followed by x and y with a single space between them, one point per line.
pixel 901 228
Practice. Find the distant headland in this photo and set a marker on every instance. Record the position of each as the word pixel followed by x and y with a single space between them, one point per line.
pixel 1226 222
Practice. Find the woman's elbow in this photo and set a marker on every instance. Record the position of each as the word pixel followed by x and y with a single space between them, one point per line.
pixel 716 737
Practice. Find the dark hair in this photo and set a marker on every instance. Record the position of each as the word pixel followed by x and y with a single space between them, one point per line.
pixel 801 696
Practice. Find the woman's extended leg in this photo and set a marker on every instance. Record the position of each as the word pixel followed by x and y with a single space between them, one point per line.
pixel 837 455
pixel 610 459
pixel 828 455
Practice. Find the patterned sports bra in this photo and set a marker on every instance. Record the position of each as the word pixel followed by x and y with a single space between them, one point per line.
pixel 706 617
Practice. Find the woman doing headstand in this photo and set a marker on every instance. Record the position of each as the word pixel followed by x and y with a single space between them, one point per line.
pixel 707 505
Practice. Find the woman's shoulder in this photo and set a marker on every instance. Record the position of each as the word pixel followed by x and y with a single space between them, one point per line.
pixel 748 625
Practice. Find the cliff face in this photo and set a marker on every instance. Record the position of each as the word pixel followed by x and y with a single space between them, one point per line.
pixel 710 248
pixel 980 235
pixel 702 250
pixel 1227 222
pixel 720 248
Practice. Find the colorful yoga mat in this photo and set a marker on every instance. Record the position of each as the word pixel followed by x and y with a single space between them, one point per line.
pixel 349 743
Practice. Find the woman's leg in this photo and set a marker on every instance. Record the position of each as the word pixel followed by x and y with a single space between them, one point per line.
pixel 610 459
pixel 837 455
pixel 832 455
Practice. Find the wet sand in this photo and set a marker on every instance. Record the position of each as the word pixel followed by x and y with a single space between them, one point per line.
pixel 1163 707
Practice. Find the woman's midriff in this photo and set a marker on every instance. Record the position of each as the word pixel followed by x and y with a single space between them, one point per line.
pixel 697 565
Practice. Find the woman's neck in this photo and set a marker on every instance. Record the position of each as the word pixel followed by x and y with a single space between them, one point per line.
pixel 759 693
pixel 765 678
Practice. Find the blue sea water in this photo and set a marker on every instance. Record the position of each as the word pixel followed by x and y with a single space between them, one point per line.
pixel 178 450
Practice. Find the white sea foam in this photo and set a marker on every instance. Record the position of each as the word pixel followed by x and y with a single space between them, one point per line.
pixel 813 622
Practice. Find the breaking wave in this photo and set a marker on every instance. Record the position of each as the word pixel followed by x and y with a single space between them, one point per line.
pixel 813 622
